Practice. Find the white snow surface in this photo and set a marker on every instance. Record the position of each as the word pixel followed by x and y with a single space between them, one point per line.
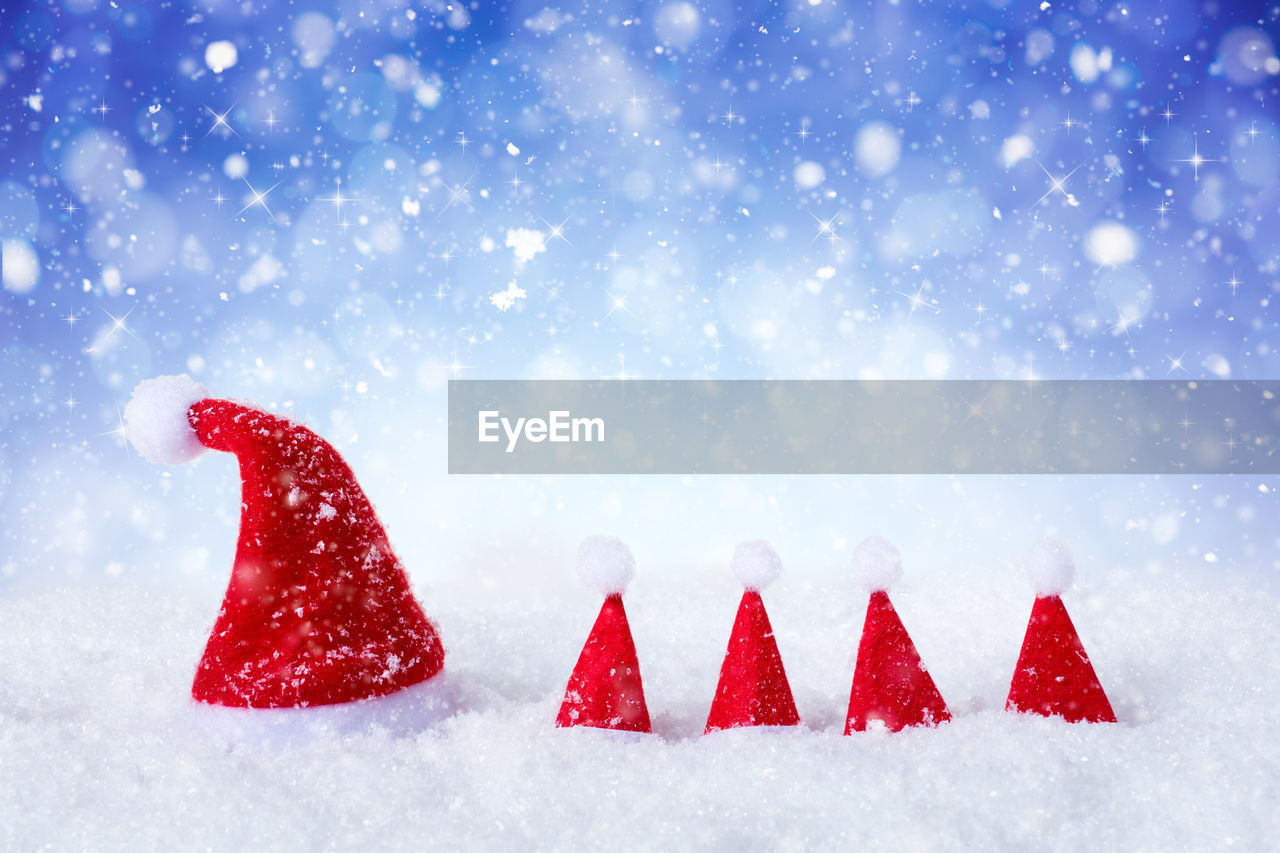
pixel 102 749
pixel 877 564
pixel 408 711
pixel 605 564
pixel 156 422
pixel 756 564
pixel 1049 566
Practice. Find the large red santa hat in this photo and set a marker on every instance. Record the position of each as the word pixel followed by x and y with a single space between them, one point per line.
pixel 753 688
pixel 1054 676
pixel 605 690
pixel 318 610
pixel 890 683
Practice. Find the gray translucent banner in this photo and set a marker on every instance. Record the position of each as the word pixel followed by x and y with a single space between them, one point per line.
pixel 856 427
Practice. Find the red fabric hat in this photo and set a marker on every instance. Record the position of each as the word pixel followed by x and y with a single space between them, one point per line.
pixel 753 688
pixel 318 610
pixel 890 682
pixel 605 690
pixel 1054 676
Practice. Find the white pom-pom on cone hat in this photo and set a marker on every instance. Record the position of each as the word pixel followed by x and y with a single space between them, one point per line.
pixel 318 610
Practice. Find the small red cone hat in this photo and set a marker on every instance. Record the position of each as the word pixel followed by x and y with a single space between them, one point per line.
pixel 1054 676
pixel 604 690
pixel 890 683
pixel 318 610
pixel 753 688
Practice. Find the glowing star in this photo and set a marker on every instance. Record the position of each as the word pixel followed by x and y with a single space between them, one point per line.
pixel 446 256
pixel 1123 323
pixel 917 300
pixel 975 410
pixel 1058 185
pixel 455 367
pixel 457 194
pixel 618 303
pixel 337 199
pixel 220 121
pixel 1195 160
pixel 258 199
pixel 119 432
pixel 118 324
pixel 826 228
pixel 556 232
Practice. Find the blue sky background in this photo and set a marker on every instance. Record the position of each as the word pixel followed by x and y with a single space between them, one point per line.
pixel 332 209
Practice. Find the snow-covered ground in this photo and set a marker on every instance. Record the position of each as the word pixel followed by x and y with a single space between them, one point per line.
pixel 101 749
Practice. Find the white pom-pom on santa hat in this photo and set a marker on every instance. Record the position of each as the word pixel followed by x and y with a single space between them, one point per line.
pixel 1049 565
pixel 877 565
pixel 156 422
pixel 756 564
pixel 606 564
